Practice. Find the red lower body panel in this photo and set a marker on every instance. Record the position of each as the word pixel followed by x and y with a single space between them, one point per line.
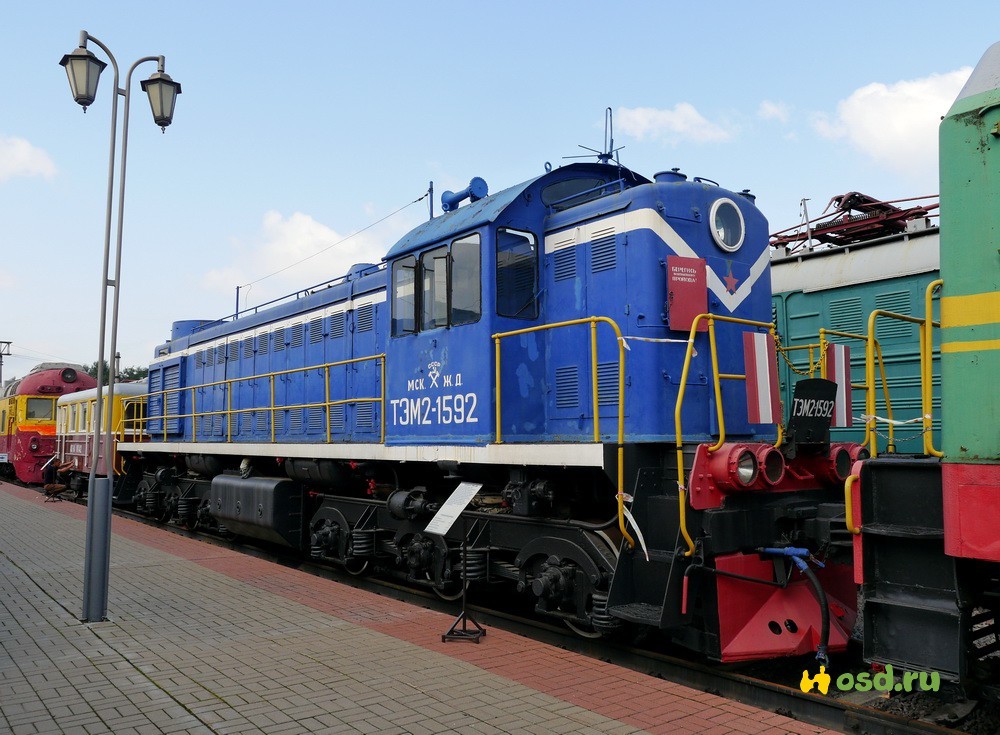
pixel 759 621
pixel 971 494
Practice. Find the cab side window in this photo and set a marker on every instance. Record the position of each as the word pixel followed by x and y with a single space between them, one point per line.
pixel 517 274
pixel 434 288
pixel 404 296
pixel 442 289
pixel 466 306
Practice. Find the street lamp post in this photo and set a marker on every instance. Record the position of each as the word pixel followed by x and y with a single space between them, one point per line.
pixel 83 70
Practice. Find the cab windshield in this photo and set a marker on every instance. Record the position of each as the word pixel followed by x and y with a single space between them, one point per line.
pixel 40 408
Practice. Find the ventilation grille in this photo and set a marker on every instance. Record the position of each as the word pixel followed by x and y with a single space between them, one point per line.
pixel 298 332
pixel 248 348
pixel 365 316
pixel 565 264
pixel 315 420
pixel 607 384
pixel 295 420
pixel 567 386
pixel 316 331
pixel 337 325
pixel 366 415
pixel 172 379
pixel 603 253
pixel 898 302
pixel 279 339
pixel 337 418
pixel 845 315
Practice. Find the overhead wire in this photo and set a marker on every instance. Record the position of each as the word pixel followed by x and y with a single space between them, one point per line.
pixel 339 242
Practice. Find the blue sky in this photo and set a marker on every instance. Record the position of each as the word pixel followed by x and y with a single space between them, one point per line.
pixel 303 122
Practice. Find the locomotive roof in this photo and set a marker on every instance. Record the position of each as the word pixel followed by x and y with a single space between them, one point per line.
pixel 489 208
pixel 121 390
pixel 43 375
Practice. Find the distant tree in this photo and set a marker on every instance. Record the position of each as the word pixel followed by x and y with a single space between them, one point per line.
pixel 135 372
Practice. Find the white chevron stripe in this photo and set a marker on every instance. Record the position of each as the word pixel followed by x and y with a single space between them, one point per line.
pixel 650 219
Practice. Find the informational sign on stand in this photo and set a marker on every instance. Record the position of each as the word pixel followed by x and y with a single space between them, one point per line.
pixel 452 508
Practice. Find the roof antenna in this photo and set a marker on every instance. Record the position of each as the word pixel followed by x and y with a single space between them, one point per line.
pixel 609 152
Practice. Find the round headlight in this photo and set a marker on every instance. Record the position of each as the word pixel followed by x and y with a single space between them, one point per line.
pixel 746 468
pixel 726 221
pixel 840 461
pixel 771 463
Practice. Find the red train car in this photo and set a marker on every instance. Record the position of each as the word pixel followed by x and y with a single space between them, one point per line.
pixel 27 417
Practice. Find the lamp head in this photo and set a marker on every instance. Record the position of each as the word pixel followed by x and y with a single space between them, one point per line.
pixel 84 70
pixel 162 91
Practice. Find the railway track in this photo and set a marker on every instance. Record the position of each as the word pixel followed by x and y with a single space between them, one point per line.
pixel 746 686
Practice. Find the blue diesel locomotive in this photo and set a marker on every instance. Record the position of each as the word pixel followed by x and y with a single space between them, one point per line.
pixel 581 345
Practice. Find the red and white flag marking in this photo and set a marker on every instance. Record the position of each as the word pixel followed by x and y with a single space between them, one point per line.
pixel 838 369
pixel 763 400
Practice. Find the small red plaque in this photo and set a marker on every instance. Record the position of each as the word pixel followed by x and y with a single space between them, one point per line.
pixel 687 292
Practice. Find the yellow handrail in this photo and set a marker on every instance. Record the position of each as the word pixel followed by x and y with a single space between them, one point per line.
pixel 194 415
pixel 849 505
pixel 592 321
pixel 927 370
pixel 867 387
pixel 716 377
pixel 871 438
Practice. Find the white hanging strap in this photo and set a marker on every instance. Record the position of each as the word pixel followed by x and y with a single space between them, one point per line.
pixel 638 533
pixel 895 422
pixel 625 340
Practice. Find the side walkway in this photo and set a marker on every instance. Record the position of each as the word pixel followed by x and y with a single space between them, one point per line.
pixel 206 640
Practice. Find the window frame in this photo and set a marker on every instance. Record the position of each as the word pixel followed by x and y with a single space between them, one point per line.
pixel 717 205
pixel 32 401
pixel 417 263
pixel 536 274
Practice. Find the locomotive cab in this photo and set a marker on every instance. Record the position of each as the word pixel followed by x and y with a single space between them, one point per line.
pixel 509 279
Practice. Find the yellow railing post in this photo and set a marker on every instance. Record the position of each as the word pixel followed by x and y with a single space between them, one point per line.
pixel 822 355
pixel 382 397
pixel 593 383
pixel 716 377
pixel 194 416
pixel 927 379
pixel 871 438
pixel 621 395
pixel 273 417
pixel 496 351
pixel 849 505
pixel 326 401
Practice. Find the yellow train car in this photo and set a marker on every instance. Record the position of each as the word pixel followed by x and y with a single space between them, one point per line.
pixel 75 415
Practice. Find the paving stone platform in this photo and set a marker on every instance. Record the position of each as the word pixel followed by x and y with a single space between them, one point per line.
pixel 203 639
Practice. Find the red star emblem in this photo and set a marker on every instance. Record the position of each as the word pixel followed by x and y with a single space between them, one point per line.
pixel 731 282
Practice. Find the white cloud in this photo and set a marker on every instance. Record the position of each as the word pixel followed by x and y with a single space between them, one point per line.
pixel 682 123
pixel 896 124
pixel 293 252
pixel 19 158
pixel 768 110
